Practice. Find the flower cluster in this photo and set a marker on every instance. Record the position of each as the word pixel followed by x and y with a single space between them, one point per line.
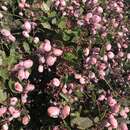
pixel 75 54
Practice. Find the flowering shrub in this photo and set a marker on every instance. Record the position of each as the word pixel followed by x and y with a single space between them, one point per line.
pixel 64 65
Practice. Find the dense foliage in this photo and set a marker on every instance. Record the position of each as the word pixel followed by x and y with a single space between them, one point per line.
pixel 64 65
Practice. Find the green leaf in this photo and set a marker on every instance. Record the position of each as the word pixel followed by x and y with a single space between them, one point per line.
pixel 3 95
pixel 26 47
pixel 64 97
pixel 4 73
pixel 62 24
pixel 46 25
pixel 70 57
pixel 81 122
pixel 66 37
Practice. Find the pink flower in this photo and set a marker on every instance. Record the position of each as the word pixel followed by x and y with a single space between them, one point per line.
pixel 127 109
pixel 116 108
pixel 42 60
pixel 96 19
pixel 30 87
pixel 101 97
pixel 111 101
pixel 28 63
pixel 26 74
pixel 110 55
pixel 56 82
pixel 11 38
pixel 82 80
pixel 113 121
pixel 40 68
pixel 100 9
pixel 27 26
pixel 21 5
pixel 25 34
pixel 24 98
pixel 13 101
pixel 123 114
pixel 57 52
pixel 36 40
pixel 2 111
pixel 51 60
pixel 123 126
pixel 18 87
pixel 65 112
pixel 5 32
pixel 5 126
pixel 25 120
pixel 53 112
pixel 46 45
pixel 86 52
pixel 14 112
pixel 21 74
pixel 108 47
pixel 128 56
pixel 93 60
pixel 77 76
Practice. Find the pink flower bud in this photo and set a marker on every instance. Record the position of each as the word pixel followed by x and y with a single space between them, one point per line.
pixel 93 60
pixel 82 80
pixel 5 126
pixel 40 68
pixel 65 112
pixel 77 76
pixel 128 56
pixel 51 60
pixel 27 26
pixel 21 5
pixel 108 47
pixel 113 121
pixel 12 38
pixel 2 111
pixel 86 52
pixel 25 120
pixel 105 58
pixel 46 46
pixel 127 109
pixel 42 60
pixel 4 8
pixel 26 74
pixel 123 126
pixel 5 32
pixel 100 9
pixel 36 40
pixel 18 87
pixel 24 98
pixel 13 101
pixel 57 52
pixel 21 74
pixel 111 55
pixel 25 34
pixel 101 97
pixel 28 63
pixel 53 112
pixel 56 82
